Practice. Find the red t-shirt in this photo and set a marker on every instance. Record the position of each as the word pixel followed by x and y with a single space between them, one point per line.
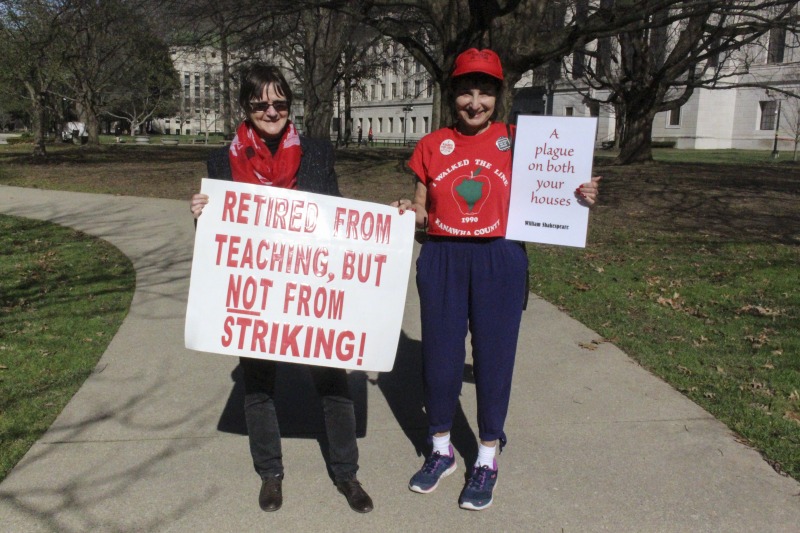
pixel 468 179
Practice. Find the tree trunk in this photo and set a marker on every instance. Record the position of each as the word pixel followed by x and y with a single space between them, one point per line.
pixel 39 118
pixel 636 140
pixel 92 126
pixel 436 110
pixel 227 109
pixel 317 108
pixel 325 36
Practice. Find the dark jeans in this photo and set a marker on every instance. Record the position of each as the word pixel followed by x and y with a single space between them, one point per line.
pixel 262 420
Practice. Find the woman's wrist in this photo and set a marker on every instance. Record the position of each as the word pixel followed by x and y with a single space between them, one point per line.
pixel 422 220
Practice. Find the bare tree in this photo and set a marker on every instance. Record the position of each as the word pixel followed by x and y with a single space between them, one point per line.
pixel 525 33
pixel 28 29
pixel 241 30
pixel 104 44
pixel 658 67
pixel 146 90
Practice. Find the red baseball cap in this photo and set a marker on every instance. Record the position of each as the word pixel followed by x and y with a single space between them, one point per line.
pixel 484 61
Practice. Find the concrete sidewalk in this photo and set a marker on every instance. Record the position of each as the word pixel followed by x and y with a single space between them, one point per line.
pixel 154 440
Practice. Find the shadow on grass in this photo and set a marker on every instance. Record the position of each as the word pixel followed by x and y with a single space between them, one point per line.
pixel 701 201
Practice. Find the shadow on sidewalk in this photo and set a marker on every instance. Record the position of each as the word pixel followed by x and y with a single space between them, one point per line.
pixel 299 408
pixel 404 392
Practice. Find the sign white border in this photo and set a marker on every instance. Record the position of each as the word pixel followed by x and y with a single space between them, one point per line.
pixel 298 277
pixel 552 157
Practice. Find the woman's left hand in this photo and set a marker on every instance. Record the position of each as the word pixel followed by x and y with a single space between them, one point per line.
pixel 587 192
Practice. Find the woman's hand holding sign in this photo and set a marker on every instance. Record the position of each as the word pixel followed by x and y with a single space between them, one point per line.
pixel 197 204
pixel 587 192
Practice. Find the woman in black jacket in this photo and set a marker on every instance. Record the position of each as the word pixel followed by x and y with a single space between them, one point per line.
pixel 267 150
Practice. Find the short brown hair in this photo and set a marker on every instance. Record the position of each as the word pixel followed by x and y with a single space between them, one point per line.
pixel 258 76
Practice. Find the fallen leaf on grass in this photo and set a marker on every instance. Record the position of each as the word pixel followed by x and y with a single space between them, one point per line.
pixel 794 395
pixel 791 415
pixel 683 370
pixel 699 342
pixel 580 286
pixel 758 310
pixel 673 302
pixel 757 341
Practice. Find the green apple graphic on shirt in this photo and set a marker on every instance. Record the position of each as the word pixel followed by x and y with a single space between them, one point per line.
pixel 471 191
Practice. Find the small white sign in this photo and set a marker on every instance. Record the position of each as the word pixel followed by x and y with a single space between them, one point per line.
pixel 552 157
pixel 298 277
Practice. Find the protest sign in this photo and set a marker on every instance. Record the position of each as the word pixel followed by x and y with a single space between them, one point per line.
pixel 552 157
pixel 292 276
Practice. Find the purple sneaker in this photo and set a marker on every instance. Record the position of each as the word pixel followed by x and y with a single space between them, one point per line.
pixel 477 493
pixel 435 468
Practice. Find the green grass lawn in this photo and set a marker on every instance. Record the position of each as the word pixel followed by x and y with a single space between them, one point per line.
pixel 63 295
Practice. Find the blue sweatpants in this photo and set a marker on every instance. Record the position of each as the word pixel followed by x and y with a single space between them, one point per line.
pixel 477 284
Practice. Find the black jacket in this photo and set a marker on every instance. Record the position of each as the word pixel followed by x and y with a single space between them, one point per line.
pixel 316 173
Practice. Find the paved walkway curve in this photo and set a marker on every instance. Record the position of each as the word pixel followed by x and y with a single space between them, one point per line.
pixel 154 441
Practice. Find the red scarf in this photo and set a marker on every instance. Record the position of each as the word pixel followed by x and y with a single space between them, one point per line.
pixel 252 162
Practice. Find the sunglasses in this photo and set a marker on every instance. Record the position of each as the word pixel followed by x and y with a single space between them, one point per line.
pixel 261 107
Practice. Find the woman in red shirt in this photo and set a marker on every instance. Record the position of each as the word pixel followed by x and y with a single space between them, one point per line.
pixel 469 277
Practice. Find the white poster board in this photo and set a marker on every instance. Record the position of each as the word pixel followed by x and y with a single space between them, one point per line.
pixel 292 276
pixel 552 157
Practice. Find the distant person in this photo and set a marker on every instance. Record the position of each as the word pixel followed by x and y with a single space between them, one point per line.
pixel 369 135
pixel 360 135
pixel 268 151
pixel 469 276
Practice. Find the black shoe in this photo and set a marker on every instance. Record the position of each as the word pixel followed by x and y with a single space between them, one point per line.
pixel 356 496
pixel 271 496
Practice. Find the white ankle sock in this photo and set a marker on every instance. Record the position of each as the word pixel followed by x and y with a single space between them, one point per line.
pixel 486 455
pixel 442 444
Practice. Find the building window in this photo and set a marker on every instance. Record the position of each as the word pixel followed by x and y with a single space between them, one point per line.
pixel 430 87
pixel 391 125
pixel 674 118
pixel 417 88
pixel 405 89
pixel 569 111
pixel 769 111
pixel 777 45
pixel 394 91
pixel 425 121
pixel 383 91
pixel 372 92
pixel 186 84
pixel 380 125
pixel 413 124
